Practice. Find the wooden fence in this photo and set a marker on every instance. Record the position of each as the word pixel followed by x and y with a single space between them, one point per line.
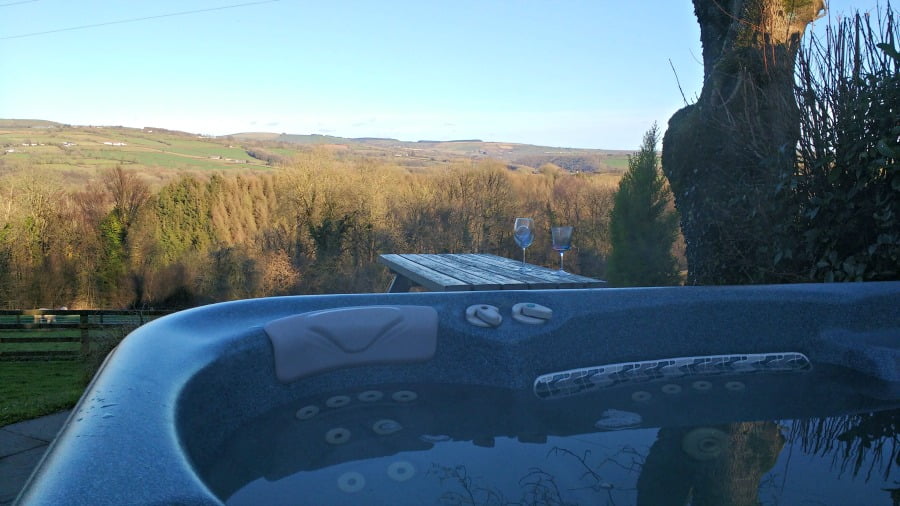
pixel 35 328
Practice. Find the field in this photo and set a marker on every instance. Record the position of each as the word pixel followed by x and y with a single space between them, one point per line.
pixel 76 152
pixel 79 152
pixel 46 384
pixel 32 389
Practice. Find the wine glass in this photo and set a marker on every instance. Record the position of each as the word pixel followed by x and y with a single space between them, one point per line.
pixel 523 233
pixel 562 241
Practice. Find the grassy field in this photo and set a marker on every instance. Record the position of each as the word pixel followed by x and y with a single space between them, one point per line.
pixel 32 389
pixel 80 152
pixel 76 152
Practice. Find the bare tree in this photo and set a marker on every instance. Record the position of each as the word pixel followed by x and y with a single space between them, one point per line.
pixel 128 193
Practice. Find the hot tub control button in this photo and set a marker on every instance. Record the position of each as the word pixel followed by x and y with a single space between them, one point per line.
pixel 529 312
pixel 483 315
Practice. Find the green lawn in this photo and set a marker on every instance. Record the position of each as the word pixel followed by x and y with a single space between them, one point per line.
pixel 35 388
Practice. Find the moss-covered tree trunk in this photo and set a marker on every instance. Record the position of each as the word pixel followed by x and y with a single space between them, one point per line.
pixel 724 154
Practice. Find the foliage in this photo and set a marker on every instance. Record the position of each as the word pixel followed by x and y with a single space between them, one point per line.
pixel 845 192
pixel 315 225
pixel 112 253
pixel 642 227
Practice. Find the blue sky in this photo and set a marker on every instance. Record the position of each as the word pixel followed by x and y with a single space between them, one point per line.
pixel 589 74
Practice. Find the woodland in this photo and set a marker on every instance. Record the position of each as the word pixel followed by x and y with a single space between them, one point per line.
pixel 315 224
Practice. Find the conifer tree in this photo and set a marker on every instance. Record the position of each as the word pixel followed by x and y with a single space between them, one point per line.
pixel 642 227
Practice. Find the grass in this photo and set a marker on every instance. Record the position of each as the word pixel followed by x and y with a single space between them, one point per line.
pixel 143 150
pixel 32 389
pixel 7 346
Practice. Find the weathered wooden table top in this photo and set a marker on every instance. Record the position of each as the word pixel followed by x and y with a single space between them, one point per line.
pixel 476 271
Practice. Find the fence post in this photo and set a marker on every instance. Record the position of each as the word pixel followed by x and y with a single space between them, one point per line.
pixel 85 334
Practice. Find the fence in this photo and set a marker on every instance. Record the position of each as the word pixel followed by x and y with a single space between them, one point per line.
pixel 22 331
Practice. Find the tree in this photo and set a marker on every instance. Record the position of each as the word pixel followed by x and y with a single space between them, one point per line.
pixel 724 154
pixel 112 263
pixel 128 195
pixel 642 227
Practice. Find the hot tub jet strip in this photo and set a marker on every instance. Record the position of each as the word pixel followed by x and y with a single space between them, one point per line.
pixel 587 379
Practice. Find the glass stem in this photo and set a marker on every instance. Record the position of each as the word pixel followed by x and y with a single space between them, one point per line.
pixel 523 258
pixel 561 260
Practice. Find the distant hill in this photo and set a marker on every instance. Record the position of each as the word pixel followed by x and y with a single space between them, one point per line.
pixel 527 155
pixel 27 123
pixel 160 153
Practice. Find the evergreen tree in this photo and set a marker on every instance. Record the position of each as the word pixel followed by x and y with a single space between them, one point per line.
pixel 642 228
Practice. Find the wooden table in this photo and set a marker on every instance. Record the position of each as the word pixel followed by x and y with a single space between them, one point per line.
pixel 475 271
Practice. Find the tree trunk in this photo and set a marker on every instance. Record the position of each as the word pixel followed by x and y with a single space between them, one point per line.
pixel 724 154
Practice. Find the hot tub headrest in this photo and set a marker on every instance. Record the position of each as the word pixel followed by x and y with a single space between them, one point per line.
pixel 319 341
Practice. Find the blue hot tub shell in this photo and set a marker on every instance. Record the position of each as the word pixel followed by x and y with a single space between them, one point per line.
pixel 153 418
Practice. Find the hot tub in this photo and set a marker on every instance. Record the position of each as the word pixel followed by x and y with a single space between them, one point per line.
pixel 343 398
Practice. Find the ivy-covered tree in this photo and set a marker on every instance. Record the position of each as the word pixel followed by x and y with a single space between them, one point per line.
pixel 725 154
pixel 642 225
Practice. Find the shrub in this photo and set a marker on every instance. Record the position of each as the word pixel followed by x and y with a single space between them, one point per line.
pixel 845 192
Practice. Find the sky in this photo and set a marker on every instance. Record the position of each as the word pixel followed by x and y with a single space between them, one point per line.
pixel 566 73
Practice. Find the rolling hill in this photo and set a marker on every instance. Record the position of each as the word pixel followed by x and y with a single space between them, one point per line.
pixel 78 151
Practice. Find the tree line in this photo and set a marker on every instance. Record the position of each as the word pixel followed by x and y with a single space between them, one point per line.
pixel 315 225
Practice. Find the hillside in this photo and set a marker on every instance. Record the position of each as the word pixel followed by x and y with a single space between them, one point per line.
pixel 75 152
pixel 524 155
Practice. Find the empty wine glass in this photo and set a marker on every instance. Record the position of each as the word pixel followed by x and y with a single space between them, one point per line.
pixel 523 233
pixel 562 241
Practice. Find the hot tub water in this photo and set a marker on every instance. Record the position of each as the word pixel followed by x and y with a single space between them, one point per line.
pixel 439 444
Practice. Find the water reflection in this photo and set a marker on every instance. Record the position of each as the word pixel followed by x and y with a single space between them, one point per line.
pixel 736 464
pixel 853 441
pixel 682 468
pixel 517 450
pixel 709 470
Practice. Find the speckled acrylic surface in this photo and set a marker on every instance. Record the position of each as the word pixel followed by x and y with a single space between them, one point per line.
pixel 177 386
